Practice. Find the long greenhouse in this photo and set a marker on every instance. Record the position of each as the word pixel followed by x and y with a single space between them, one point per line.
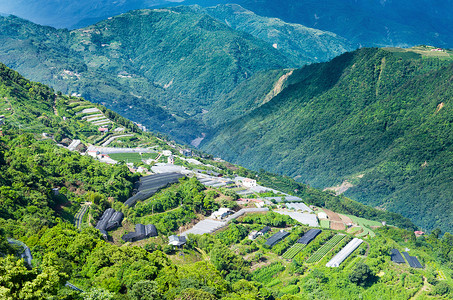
pixel 344 253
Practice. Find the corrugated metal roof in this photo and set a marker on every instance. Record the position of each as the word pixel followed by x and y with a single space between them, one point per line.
pixel 276 238
pixel 396 256
pixel 412 261
pixel 309 236
pixel 149 185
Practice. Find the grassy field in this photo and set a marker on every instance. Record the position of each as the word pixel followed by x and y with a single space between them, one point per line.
pixel 366 225
pixel 425 51
pixel 132 157
pixel 355 230
pixel 365 222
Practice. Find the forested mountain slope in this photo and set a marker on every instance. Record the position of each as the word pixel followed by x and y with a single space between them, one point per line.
pixel 158 67
pixel 300 44
pixel 367 23
pixel 380 119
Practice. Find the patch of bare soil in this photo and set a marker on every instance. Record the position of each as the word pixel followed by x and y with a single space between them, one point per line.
pixel 333 216
pixel 337 226
pixel 259 265
pixel 340 189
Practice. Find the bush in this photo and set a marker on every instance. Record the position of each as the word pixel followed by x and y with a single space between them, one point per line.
pixel 290 289
pixel 361 275
pixel 442 288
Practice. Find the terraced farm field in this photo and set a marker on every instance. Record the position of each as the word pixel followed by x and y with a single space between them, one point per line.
pixel 319 254
pixel 366 225
pixel 293 251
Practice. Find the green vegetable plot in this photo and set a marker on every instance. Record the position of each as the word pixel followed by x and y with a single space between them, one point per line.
pixel 319 254
pixel 267 274
pixel 293 251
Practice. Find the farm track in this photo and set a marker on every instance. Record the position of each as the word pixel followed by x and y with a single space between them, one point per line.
pixel 422 289
pixel 111 139
pixel 79 216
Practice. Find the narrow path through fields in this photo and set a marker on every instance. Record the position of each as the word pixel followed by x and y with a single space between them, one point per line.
pixel 79 216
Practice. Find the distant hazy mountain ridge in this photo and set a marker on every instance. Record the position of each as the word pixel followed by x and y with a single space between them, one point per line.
pixel 398 23
pixel 300 44
pixel 72 14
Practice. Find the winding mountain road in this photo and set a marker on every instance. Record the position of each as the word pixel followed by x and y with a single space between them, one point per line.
pixel 26 255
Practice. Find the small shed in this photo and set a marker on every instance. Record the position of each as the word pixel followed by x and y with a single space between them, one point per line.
pixel 265 230
pixel 56 191
pixel 186 152
pixel 175 240
pixel 322 215
pixel 253 235
pixel 166 153
pixel 221 213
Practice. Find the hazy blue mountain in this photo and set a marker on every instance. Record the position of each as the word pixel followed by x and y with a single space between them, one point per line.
pixel 70 13
pixel 361 22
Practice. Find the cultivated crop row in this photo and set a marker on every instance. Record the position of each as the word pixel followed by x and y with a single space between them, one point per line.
pixel 319 254
pixel 293 251
pixel 266 274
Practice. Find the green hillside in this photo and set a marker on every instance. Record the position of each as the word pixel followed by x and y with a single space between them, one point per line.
pixel 380 119
pixel 302 45
pixel 77 263
pixel 126 63
pixel 32 107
